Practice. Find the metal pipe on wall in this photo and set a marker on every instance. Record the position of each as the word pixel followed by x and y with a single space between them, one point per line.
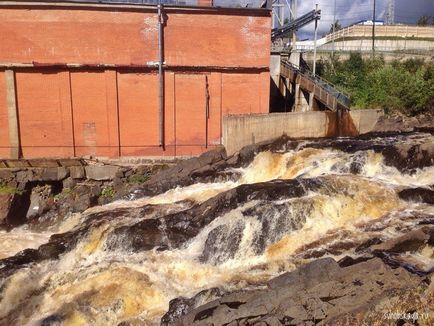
pixel 161 71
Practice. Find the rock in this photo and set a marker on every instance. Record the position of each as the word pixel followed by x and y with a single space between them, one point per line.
pixel 24 176
pixel 423 195
pixel 77 172
pixel 180 306
pixel 69 183
pixel 50 174
pixel 306 276
pixel 326 295
pixel 101 173
pixel 175 229
pixel 6 175
pixel 184 173
pixel 411 241
pixel 401 123
pixel 86 196
pixel 62 173
pixel 13 209
pixel 41 200
pixel 5 206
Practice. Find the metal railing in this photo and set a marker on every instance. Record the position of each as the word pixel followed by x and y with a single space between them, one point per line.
pixel 340 95
pixel 399 31
pixel 215 3
pixel 364 48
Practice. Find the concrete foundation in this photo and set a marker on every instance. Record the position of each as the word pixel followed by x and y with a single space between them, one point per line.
pixel 243 130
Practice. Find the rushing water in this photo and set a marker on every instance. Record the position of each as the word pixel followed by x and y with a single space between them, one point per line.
pixel 343 200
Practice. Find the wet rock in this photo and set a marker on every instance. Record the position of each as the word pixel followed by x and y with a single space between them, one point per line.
pixel 410 241
pixel 184 173
pixel 398 150
pixel 53 320
pixel 321 291
pixel 222 243
pixel 41 200
pixel 174 230
pixel 421 195
pixel 180 306
pixel 170 231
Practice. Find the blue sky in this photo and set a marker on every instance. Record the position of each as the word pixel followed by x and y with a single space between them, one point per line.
pixel 350 11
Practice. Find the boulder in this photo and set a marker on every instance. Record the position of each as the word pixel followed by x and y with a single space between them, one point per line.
pixel 41 200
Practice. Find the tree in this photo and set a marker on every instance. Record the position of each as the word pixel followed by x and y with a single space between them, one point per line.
pixel 336 25
pixel 423 20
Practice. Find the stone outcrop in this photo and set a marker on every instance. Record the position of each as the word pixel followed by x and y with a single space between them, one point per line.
pixel 404 124
pixel 320 292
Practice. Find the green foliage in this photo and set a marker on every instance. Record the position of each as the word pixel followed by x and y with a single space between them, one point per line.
pixel 5 189
pixel 423 20
pixel 108 192
pixel 406 87
pixel 139 178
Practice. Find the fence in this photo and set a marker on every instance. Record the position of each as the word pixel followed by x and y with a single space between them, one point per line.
pixel 399 31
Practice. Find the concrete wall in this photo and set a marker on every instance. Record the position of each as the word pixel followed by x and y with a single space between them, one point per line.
pixel 239 131
pixel 362 121
pixel 243 130
pixel 84 87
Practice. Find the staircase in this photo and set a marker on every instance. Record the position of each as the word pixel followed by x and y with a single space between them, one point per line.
pixel 323 91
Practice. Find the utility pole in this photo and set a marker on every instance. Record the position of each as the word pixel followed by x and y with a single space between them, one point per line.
pixel 334 23
pixel 373 31
pixel 311 95
pixel 294 17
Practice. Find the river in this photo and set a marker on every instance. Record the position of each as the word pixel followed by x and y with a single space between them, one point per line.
pixel 125 261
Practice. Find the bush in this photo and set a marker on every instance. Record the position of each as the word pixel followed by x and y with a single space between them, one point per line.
pixel 406 87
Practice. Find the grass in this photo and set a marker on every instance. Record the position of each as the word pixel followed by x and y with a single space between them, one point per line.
pixel 139 178
pixel 5 189
pixel 108 192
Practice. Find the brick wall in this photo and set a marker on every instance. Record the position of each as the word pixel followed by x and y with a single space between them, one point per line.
pixel 83 86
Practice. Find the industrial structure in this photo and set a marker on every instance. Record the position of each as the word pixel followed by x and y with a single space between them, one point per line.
pixel 111 80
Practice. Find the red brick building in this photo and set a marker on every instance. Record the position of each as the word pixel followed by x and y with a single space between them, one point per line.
pixel 80 79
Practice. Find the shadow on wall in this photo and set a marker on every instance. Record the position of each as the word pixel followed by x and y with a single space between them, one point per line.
pixel 278 103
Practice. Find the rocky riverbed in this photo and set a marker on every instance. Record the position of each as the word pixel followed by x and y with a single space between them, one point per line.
pixel 289 232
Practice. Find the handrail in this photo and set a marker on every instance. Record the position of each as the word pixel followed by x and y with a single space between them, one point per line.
pixel 341 96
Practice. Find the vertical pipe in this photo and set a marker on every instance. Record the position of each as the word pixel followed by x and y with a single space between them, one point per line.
pixel 160 71
pixel 206 111
pixel 13 119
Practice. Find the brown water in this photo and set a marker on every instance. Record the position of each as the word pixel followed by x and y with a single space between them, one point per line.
pixel 96 284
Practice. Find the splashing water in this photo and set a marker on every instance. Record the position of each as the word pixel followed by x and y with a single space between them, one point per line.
pixel 343 199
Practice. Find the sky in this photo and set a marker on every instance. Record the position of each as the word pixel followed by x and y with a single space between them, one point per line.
pixel 351 11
